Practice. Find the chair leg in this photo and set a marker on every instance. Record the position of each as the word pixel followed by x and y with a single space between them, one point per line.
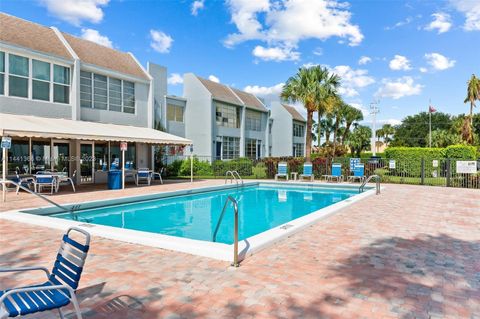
pixel 73 186
pixel 60 313
pixel 76 306
pixel 161 180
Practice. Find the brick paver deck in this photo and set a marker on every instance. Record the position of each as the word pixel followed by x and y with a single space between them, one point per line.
pixel 412 252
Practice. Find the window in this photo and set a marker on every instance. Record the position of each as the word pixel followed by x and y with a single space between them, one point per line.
pixel 298 130
pixel 61 84
pixel 253 120
pixel 40 80
pixel 175 113
pixel 298 149
pixel 18 79
pixel 227 115
pixel 230 147
pixel 251 147
pixel 100 95
pixel 128 97
pixel 86 89
pixel 115 95
pixel 2 73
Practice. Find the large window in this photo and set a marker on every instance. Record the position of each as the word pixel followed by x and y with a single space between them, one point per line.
pixel 228 115
pixel 2 73
pixel 298 130
pixel 106 93
pixel 175 113
pixel 61 84
pixel 18 79
pixel 40 80
pixel 252 148
pixel 298 149
pixel 230 147
pixel 253 120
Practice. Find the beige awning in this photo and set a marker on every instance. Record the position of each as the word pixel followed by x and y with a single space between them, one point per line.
pixel 42 127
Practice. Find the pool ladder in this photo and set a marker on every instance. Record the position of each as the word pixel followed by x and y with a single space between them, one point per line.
pixel 365 182
pixel 235 228
pixel 234 176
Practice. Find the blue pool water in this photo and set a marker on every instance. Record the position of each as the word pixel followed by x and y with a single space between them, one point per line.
pixel 261 207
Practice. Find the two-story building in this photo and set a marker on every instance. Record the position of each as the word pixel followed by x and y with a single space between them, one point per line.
pixel 288 130
pixel 68 102
pixel 224 122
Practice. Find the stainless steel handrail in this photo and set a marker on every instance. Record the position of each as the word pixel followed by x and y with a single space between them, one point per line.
pixel 4 182
pixel 365 182
pixel 232 177
pixel 235 228
pixel 238 176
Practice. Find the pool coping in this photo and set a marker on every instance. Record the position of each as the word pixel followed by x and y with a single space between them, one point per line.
pixel 219 251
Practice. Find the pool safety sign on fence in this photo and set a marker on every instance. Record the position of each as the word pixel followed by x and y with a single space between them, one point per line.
pixel 466 167
pixel 391 164
pixel 6 142
pixel 354 162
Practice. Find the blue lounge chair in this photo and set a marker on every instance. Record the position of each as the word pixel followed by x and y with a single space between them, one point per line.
pixel 143 174
pixel 59 289
pixel 307 172
pixel 282 171
pixel 358 173
pixel 42 181
pixel 336 173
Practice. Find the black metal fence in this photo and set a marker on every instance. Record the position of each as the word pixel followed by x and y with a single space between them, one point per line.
pixel 433 172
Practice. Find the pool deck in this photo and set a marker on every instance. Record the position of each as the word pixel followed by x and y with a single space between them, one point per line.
pixel 412 252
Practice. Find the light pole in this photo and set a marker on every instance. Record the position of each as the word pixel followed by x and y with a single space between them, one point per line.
pixel 373 111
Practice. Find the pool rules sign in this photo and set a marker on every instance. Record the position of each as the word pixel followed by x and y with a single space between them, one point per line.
pixel 6 145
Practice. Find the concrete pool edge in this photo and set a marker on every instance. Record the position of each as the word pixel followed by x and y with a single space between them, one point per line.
pixel 212 250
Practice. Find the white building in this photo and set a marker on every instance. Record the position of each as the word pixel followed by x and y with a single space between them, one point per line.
pixel 288 131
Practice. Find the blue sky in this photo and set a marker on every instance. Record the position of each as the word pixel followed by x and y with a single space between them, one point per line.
pixel 402 53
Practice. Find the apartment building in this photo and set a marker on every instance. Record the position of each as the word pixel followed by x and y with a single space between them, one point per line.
pixel 288 131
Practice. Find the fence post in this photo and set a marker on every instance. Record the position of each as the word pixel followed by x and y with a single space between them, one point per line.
pixel 422 172
pixel 449 172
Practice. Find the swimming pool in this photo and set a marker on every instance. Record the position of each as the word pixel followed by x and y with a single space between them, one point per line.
pixel 195 216
pixel 185 220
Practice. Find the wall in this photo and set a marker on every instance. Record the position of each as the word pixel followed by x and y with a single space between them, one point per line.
pixel 174 127
pixel 14 105
pixel 198 115
pixel 159 74
pixel 282 131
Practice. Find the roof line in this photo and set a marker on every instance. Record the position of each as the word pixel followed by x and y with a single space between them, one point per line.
pixel 140 65
pixel 65 43
pixel 241 101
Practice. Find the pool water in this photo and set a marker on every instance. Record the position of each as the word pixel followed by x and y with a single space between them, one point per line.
pixel 261 207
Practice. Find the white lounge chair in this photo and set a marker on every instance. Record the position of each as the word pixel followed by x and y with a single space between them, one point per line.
pixel 282 171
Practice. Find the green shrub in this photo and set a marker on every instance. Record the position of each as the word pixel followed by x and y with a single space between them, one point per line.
pixel 242 165
pixel 200 168
pixel 173 168
pixel 409 159
pixel 461 152
pixel 260 170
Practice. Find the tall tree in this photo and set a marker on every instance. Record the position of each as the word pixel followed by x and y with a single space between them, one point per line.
pixel 351 115
pixel 310 86
pixel 473 94
pixel 386 132
pixel 359 140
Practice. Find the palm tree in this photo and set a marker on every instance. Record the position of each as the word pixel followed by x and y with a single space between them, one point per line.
pixel 351 115
pixel 387 131
pixel 473 94
pixel 325 107
pixel 310 86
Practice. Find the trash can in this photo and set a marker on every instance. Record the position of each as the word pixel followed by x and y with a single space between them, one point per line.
pixel 115 179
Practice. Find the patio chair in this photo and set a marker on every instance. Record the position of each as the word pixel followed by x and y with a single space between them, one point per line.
pixel 143 174
pixel 59 289
pixel 358 173
pixel 65 179
pixel 26 181
pixel 307 172
pixel 159 175
pixel 42 181
pixel 336 173
pixel 282 171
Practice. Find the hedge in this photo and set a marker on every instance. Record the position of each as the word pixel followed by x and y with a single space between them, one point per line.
pixel 461 152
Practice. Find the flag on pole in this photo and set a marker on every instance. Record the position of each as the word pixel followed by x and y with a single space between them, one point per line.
pixel 431 109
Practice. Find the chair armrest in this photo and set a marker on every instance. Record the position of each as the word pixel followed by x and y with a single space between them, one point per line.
pixel 21 269
pixel 29 289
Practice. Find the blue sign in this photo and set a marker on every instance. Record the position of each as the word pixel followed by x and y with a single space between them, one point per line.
pixel 354 162
pixel 6 142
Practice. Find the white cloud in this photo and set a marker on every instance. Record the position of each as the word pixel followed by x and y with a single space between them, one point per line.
pixel 161 42
pixel 400 62
pixel 318 51
pixel 360 107
pixel 175 79
pixel 75 11
pixel 364 60
pixel 352 80
pixel 213 78
pixel 392 122
pixel 439 62
pixel 399 88
pixel 423 70
pixel 441 22
pixel 276 53
pixel 285 23
pixel 268 93
pixel 197 5
pixel 399 24
pixel 95 36
pixel 471 9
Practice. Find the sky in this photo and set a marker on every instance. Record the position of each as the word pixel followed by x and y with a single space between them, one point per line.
pixel 399 54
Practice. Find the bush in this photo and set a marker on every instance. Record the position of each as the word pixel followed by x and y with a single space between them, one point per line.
pixel 200 168
pixel 242 165
pixel 260 170
pixel 410 159
pixel 461 152
pixel 173 169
